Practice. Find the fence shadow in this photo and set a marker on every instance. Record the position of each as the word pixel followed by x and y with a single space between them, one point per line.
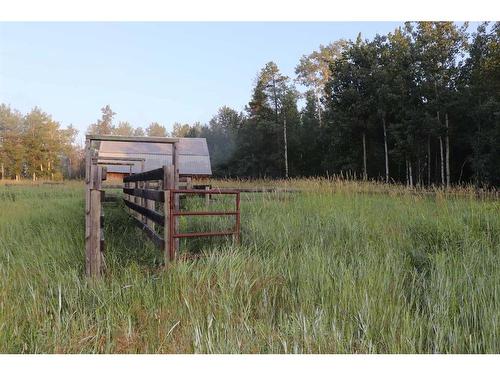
pixel 125 242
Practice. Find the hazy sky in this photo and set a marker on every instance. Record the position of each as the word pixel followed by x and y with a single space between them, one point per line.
pixel 163 72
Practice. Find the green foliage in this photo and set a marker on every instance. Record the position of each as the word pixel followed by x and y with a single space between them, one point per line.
pixel 103 126
pixel 33 145
pixel 124 128
pixel 418 106
pixel 156 130
pixel 414 81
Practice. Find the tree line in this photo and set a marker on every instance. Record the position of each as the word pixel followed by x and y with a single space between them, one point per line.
pixel 420 106
pixel 35 146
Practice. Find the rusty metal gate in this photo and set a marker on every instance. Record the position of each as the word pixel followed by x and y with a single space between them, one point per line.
pixel 174 213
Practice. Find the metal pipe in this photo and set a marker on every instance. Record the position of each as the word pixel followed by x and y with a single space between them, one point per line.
pixel 203 234
pixel 204 213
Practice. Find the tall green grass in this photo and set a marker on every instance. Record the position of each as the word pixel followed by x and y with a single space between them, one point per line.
pixel 333 269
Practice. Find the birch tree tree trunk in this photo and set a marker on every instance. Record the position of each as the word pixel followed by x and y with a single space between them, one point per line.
pixel 428 160
pixel 410 173
pixel 442 159
pixel 319 109
pixel 286 147
pixel 365 174
pixel 406 171
pixel 447 144
pixel 441 152
pixel 386 152
pixel 419 172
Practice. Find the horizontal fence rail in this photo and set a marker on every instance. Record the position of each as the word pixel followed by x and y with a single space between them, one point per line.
pixel 155 174
pixel 153 236
pixel 155 195
pixel 150 214
pixel 211 191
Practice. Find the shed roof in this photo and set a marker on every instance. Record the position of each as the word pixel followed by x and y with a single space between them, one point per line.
pixel 194 158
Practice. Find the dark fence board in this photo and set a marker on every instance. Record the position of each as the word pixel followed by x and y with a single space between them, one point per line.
pixel 155 174
pixel 153 215
pixel 153 236
pixel 155 195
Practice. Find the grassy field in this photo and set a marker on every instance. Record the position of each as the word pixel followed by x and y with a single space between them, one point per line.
pixel 340 267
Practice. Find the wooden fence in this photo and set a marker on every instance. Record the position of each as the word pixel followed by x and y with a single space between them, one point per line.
pixel 95 173
pixel 147 197
pixel 151 198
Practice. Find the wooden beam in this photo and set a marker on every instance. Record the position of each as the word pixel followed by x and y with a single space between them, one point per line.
pixel 168 183
pixel 150 204
pixel 119 138
pixel 116 158
pixel 154 174
pixel 94 269
pixel 166 228
pixel 153 215
pixel 111 198
pixel 175 162
pixel 114 163
pixel 154 195
pixel 152 235
pixel 88 166
pixel 136 200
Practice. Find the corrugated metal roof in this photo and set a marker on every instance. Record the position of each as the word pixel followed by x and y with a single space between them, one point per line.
pixel 194 158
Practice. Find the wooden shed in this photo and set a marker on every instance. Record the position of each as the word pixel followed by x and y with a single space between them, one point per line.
pixel 194 159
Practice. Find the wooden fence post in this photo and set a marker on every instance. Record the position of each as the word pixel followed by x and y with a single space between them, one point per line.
pixel 95 230
pixel 207 197
pixel 101 176
pixel 88 167
pixel 137 200
pixel 93 209
pixel 168 174
pixel 150 204
pixel 175 182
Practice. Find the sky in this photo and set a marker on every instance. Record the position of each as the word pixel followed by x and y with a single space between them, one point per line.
pixel 164 72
